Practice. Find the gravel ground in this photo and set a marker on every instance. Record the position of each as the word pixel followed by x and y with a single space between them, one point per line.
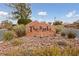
pixel 38 42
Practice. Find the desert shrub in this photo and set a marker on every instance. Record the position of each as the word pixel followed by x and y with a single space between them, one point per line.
pixel 57 23
pixel 71 35
pixel 17 42
pixel 59 28
pixel 8 35
pixel 63 34
pixel 19 30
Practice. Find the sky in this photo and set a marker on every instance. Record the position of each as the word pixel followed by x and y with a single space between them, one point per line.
pixel 48 12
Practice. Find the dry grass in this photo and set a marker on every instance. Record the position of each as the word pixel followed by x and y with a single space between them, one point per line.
pixel 17 42
pixel 44 51
pixel 44 47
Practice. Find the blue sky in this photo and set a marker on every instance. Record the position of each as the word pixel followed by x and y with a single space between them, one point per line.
pixel 47 12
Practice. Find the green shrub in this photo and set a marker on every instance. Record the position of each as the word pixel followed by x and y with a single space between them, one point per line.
pixel 24 21
pixel 8 35
pixel 71 35
pixel 19 30
pixel 57 23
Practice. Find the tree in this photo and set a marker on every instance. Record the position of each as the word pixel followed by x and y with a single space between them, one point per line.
pixel 21 12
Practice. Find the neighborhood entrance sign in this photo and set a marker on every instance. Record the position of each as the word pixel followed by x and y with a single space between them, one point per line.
pixel 40 29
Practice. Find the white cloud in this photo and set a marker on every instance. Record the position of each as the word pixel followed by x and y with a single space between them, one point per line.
pixel 71 13
pixel 77 15
pixel 3 13
pixel 42 13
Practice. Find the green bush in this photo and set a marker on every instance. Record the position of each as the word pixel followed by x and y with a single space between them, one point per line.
pixel 24 21
pixel 8 35
pixel 57 23
pixel 19 30
pixel 71 35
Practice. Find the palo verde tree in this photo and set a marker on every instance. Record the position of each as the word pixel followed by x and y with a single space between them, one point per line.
pixel 21 12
